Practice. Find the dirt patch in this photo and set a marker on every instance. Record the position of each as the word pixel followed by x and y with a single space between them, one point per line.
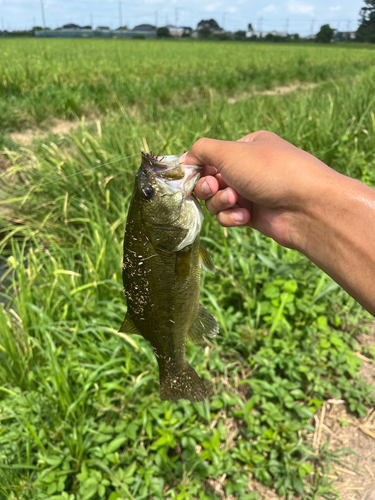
pixel 282 90
pixel 58 127
pixel 354 477
pixel 276 91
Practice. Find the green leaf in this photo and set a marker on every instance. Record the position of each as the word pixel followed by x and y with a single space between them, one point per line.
pixel 114 445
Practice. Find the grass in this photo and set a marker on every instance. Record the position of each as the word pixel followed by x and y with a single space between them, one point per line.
pixel 67 78
pixel 80 414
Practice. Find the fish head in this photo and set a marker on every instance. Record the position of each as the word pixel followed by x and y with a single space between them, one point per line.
pixel 171 215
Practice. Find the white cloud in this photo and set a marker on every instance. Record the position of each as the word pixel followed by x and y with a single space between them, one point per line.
pixel 232 10
pixel 335 8
pixel 270 8
pixel 212 7
pixel 300 8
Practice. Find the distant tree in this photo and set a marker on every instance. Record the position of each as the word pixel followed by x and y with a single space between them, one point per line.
pixel 240 35
pixel 122 27
pixel 86 27
pixel 366 30
pixel 222 36
pixel 187 32
pixel 163 32
pixel 36 28
pixel 325 34
pixel 209 23
pixel 204 33
pixel 250 27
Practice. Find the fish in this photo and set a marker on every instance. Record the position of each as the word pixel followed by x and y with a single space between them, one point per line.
pixel 161 271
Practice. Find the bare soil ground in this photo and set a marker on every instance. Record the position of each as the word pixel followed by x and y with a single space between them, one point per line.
pixel 59 127
pixel 355 480
pixel 276 91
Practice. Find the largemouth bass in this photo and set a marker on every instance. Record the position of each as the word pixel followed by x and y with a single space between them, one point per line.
pixel 161 271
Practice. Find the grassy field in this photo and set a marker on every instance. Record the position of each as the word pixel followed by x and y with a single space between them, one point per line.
pixel 80 414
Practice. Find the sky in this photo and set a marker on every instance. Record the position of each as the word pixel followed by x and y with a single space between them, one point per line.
pixel 295 16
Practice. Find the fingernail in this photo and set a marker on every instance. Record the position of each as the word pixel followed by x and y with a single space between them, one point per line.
pixel 182 158
pixel 205 188
pixel 224 198
pixel 238 216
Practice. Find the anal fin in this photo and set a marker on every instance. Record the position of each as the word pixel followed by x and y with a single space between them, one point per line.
pixel 128 326
pixel 205 325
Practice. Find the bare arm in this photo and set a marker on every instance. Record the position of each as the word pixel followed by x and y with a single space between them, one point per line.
pixel 289 195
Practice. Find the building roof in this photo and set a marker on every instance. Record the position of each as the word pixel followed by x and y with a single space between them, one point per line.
pixel 144 27
pixel 71 26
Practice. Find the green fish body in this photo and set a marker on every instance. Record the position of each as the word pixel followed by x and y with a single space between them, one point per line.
pixel 161 271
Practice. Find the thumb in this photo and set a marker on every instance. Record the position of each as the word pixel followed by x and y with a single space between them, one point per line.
pixel 209 152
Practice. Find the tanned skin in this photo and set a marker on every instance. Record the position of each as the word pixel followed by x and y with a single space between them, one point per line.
pixel 266 183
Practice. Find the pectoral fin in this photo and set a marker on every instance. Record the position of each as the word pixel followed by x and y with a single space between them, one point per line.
pixel 128 326
pixel 205 325
pixel 205 260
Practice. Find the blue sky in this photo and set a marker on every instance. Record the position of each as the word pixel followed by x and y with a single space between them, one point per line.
pixel 301 16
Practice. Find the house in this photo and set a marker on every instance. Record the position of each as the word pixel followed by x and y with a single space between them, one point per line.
pixel 344 35
pixel 175 31
pixel 70 26
pixel 103 28
pixel 144 27
pixel 263 34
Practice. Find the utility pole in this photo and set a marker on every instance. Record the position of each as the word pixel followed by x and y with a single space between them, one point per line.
pixel 312 26
pixel 286 26
pixel 348 27
pixel 156 18
pixel 260 22
pixel 91 22
pixel 176 17
pixel 120 13
pixel 43 18
pixel 223 23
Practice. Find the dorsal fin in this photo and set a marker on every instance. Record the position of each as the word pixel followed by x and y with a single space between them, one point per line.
pixel 205 260
pixel 205 325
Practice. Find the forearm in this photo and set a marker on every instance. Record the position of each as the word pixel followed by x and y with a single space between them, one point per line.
pixel 338 234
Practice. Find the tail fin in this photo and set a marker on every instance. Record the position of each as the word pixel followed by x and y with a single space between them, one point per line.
pixel 181 384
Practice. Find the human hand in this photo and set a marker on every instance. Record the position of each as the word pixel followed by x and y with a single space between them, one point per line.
pixel 287 194
pixel 261 181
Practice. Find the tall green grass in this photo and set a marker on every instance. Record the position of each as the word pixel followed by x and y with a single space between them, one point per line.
pixel 80 414
pixel 41 79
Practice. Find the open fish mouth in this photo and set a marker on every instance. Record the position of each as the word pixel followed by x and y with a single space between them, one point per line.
pixel 172 176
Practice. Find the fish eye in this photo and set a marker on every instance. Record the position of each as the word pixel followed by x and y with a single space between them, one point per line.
pixel 147 192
